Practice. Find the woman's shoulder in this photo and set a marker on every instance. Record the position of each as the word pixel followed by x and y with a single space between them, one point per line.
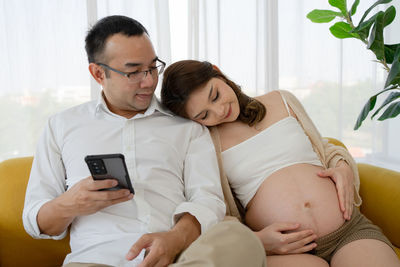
pixel 268 97
pixel 271 99
pixel 275 102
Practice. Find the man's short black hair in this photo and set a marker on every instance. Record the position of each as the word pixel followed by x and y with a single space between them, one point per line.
pixel 97 36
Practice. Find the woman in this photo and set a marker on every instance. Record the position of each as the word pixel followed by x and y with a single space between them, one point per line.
pixel 274 159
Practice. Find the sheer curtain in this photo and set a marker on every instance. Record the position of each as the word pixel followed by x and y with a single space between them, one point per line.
pixel 261 44
pixel 43 67
pixel 238 36
pixel 334 78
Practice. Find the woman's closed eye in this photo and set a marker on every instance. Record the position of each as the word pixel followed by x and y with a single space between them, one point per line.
pixel 205 116
pixel 216 97
pixel 213 100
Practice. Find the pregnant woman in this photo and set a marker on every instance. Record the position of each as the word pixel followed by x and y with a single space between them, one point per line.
pixel 275 161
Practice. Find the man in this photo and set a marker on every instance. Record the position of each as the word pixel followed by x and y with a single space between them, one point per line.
pixel 171 163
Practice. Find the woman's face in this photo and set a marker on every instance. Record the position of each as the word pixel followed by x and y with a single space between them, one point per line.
pixel 213 104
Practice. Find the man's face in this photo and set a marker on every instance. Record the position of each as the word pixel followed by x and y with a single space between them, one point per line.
pixel 129 54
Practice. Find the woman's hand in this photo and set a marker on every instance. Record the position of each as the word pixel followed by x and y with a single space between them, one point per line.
pixel 276 240
pixel 343 177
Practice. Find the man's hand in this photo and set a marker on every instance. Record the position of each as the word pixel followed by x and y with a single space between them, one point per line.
pixel 162 248
pixel 276 241
pixel 85 198
pixel 343 177
pixel 82 199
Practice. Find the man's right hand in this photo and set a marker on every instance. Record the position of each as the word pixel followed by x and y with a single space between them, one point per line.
pixel 83 198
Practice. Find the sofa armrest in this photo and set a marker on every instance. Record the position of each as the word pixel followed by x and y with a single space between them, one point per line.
pixel 380 193
pixel 17 248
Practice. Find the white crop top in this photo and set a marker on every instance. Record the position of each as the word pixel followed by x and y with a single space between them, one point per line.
pixel 250 162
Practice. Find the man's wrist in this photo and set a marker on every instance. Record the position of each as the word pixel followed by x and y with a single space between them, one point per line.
pixel 51 220
pixel 187 229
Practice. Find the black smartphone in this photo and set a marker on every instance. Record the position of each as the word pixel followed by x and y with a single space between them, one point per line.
pixel 110 166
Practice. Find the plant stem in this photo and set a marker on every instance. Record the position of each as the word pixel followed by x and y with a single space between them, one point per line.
pixel 350 22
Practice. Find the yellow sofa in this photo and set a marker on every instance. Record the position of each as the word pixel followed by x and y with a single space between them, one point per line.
pixel 380 190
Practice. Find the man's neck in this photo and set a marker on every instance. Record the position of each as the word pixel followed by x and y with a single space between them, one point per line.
pixel 121 112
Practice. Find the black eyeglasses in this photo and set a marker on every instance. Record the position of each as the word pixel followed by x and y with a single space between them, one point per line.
pixel 138 76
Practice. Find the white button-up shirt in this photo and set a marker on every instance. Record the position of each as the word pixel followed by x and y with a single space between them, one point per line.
pixel 171 162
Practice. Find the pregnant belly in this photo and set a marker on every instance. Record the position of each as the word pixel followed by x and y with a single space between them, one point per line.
pixel 296 194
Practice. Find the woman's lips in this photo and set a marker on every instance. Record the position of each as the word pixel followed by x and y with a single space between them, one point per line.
pixel 229 112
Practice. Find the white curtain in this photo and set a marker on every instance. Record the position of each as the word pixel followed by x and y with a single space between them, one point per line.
pixel 334 78
pixel 43 67
pixel 238 36
pixel 43 63
pixel 261 44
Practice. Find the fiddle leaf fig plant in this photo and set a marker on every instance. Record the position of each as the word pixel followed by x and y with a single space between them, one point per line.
pixel 370 32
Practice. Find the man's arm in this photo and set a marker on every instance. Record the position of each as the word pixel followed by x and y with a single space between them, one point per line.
pixel 49 209
pixel 83 198
pixel 203 208
pixel 203 191
pixel 162 248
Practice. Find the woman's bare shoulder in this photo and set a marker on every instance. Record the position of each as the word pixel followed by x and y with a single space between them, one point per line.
pixel 274 102
pixel 269 97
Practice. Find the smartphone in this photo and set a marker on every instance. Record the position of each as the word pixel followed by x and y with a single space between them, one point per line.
pixel 110 166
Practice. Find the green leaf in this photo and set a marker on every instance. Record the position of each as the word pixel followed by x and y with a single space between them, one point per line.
pixel 375 43
pixel 392 111
pixel 365 110
pixel 391 97
pixel 363 28
pixel 371 7
pixel 322 16
pixel 389 52
pixel 394 73
pixel 342 30
pixel 370 106
pixel 354 7
pixel 340 4
pixel 389 15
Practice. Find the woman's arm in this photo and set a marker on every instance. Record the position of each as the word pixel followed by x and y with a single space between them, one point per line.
pixel 343 177
pixel 330 155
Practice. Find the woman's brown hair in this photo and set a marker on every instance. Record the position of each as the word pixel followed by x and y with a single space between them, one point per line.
pixel 184 77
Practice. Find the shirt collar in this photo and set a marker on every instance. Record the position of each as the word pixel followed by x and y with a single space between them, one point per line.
pixel 155 106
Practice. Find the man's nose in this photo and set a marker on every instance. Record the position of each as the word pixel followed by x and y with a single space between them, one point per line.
pixel 148 80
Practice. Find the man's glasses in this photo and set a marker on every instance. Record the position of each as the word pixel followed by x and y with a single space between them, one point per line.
pixel 138 76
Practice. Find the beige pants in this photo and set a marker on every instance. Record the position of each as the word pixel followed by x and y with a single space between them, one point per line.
pixel 227 244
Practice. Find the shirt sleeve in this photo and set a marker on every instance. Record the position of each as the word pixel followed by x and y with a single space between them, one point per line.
pixel 46 181
pixel 203 191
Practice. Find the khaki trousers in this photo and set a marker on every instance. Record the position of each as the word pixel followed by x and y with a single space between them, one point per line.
pixel 227 244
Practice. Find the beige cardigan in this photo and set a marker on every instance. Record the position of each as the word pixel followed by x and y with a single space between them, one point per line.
pixel 329 155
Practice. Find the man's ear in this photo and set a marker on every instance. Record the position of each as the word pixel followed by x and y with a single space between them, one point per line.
pixel 97 73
